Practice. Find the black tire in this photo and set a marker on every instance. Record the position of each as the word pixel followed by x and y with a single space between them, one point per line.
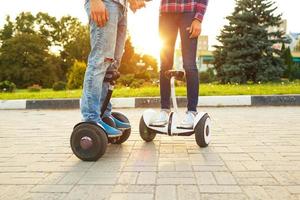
pixel 201 132
pixel 98 137
pixel 146 134
pixel 126 133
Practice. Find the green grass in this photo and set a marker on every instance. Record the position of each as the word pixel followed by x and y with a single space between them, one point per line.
pixel 205 90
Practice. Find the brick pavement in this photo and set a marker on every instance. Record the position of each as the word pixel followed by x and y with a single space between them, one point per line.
pixel 255 154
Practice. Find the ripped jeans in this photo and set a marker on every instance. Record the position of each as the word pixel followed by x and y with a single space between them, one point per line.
pixel 107 45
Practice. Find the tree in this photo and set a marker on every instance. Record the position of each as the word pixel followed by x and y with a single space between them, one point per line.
pixel 76 75
pixel 74 40
pixel 7 31
pixel 246 52
pixel 127 64
pixel 75 48
pixel 297 48
pixel 287 60
pixel 25 60
pixel 67 35
pixel 48 27
pixel 25 23
pixel 130 60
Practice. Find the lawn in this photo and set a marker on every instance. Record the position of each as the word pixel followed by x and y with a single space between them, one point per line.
pixel 205 90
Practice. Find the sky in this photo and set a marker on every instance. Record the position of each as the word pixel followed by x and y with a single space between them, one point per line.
pixel 143 25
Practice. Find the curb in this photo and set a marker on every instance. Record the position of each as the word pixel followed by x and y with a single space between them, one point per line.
pixel 150 102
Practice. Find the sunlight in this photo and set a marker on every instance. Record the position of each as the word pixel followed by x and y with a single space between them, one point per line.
pixel 151 47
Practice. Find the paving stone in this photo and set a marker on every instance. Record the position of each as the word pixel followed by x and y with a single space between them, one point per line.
pixel 176 181
pixel 14 191
pixel 128 178
pixel 134 189
pixel 188 192
pixel 131 196
pixel 225 178
pixel 146 178
pixel 294 189
pixel 223 196
pixel 165 192
pixel 278 192
pixel 90 192
pixel 45 196
pixel 219 189
pixel 205 178
pixel 52 188
pixel 256 192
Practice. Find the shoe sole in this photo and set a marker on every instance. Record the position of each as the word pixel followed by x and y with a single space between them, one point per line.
pixel 123 129
pixel 114 136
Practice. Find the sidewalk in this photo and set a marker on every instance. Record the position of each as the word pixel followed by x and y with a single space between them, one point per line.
pixel 214 101
pixel 254 154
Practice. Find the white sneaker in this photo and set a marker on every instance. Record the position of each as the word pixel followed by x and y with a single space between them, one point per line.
pixel 188 120
pixel 162 118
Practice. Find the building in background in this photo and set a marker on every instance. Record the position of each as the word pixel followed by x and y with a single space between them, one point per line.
pixel 204 56
pixel 203 43
pixel 294 40
pixel 282 27
pixel 292 37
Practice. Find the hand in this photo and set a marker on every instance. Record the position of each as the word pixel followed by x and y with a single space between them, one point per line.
pixel 195 28
pixel 99 13
pixel 136 4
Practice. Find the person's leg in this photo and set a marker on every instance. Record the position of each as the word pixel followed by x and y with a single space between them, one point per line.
pixel 168 29
pixel 120 43
pixel 103 43
pixel 189 53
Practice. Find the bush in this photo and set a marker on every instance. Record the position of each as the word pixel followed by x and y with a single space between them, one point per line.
pixel 58 86
pixel 137 83
pixel 34 88
pixel 145 76
pixel 7 86
pixel 126 80
pixel 76 75
pixel 295 72
pixel 207 76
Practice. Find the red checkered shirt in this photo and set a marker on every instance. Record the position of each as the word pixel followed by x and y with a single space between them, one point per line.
pixel 180 6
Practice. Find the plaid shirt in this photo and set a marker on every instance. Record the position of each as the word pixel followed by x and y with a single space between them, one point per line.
pixel 180 6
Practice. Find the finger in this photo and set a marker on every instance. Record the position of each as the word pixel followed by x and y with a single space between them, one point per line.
pixel 97 19
pixel 100 21
pixel 94 18
pixel 103 18
pixel 142 4
pixel 106 15
pixel 195 33
pixel 191 29
pixel 132 8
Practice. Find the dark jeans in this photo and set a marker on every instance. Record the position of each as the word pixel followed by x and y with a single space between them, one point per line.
pixel 169 24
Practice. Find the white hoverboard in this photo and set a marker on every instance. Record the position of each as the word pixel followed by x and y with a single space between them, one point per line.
pixel 201 127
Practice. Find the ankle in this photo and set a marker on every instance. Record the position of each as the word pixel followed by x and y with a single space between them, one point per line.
pixel 165 110
pixel 192 112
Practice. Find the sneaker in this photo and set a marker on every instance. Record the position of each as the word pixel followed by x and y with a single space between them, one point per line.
pixel 110 131
pixel 188 120
pixel 119 124
pixel 162 119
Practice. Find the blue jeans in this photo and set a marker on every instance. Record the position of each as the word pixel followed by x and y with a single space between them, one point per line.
pixel 107 45
pixel 169 24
